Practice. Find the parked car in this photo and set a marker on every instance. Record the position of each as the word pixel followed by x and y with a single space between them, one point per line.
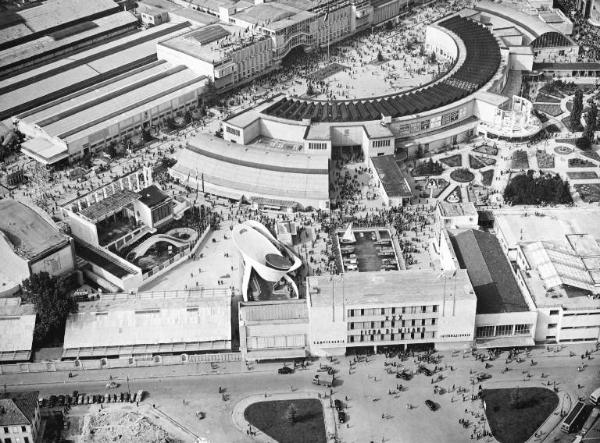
pixel 341 416
pixel 483 376
pixel 285 370
pixel 338 404
pixel 122 397
pixel 431 405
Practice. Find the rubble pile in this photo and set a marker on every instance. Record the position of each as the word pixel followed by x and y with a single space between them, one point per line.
pixel 109 425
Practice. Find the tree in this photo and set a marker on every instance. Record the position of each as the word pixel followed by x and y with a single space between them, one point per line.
pixel 590 123
pixel 583 143
pixel 389 26
pixel 291 413
pixel 380 57
pixel 310 90
pixel 52 304
pixel 575 121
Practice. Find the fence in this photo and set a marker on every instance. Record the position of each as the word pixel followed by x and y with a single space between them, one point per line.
pixel 115 363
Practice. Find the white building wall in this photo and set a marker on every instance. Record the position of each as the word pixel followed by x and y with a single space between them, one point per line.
pixel 58 263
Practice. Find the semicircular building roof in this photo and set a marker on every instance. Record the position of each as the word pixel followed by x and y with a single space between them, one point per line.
pixel 480 65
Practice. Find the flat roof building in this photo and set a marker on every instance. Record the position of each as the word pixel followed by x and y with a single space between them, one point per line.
pixel 54 80
pixel 17 322
pixel 147 324
pixel 49 16
pixel 103 114
pixel 30 242
pixel 371 309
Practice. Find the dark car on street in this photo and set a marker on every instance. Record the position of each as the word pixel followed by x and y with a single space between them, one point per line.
pixel 431 405
pixel 341 416
pixel 338 404
pixel 285 370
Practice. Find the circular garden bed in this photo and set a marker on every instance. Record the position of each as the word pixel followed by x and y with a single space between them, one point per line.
pixel 563 150
pixel 462 175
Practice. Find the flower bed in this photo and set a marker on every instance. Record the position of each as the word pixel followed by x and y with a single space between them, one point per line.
pixel 544 160
pixel 487 177
pixel 479 161
pixel 462 175
pixel 519 160
pixel 580 163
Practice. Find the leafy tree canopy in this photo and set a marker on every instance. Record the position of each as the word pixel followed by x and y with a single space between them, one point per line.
pixel 52 304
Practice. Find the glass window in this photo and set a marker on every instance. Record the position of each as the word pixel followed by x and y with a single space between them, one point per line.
pixel 484 331
pixel 504 330
pixel 522 329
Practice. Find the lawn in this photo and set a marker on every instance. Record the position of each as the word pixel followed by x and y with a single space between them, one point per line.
pixel 553 110
pixel 580 163
pixel 487 177
pixel 479 161
pixel 545 160
pixel 272 418
pixel 591 154
pixel 462 175
pixel 519 160
pixel 515 414
pixel 590 193
pixel 583 175
pixel 452 161
pixel 545 98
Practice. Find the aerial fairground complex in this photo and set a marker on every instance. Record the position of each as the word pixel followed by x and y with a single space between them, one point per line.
pixel 299 221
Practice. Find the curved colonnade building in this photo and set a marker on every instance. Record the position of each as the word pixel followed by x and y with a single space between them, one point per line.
pixel 298 134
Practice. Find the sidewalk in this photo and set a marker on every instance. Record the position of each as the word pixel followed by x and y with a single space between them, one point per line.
pixel 121 374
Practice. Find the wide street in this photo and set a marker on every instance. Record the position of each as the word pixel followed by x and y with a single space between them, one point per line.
pixel 373 413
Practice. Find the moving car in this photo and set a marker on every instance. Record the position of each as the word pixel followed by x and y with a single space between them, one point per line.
pixel 285 370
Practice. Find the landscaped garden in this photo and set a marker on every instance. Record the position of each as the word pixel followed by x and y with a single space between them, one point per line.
pixel 544 160
pixel 582 175
pixel 590 193
pixel 515 414
pixel 520 160
pixel 532 189
pixel 591 154
pixel 553 110
pixel 426 168
pixel 462 175
pixel 290 421
pixel 452 161
pixel 479 161
pixel 580 163
pixel 486 149
pixel 487 177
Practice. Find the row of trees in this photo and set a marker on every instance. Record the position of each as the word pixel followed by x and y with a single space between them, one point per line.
pixel 532 189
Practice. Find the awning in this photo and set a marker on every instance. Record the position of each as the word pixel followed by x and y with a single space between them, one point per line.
pixel 44 151
pixel 505 342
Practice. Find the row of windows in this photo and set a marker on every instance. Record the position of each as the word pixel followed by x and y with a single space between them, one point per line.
pixel 435 122
pixel 502 330
pixel 233 131
pixel 392 311
pixel 578 314
pixel 579 327
pixel 391 324
pixel 381 143
pixel 313 145
pixel 14 429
